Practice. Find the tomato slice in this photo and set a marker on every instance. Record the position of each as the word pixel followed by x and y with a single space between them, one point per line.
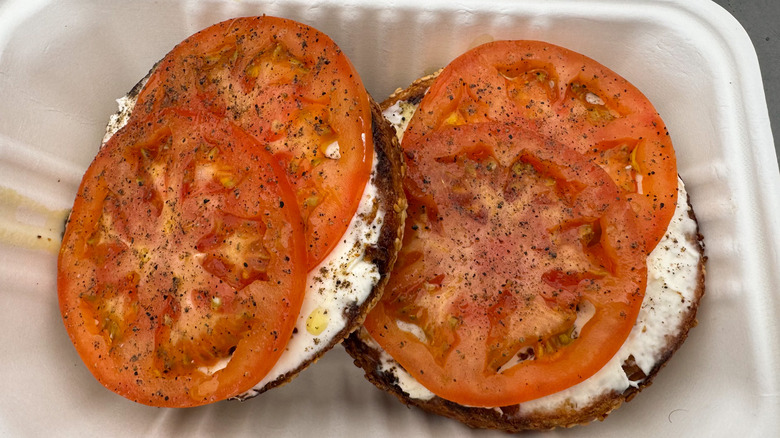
pixel 569 97
pixel 294 90
pixel 511 240
pixel 182 269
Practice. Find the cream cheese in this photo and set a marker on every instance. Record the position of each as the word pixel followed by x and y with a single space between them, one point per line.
pixel 342 281
pixel 126 104
pixel 119 120
pixel 333 151
pixel 672 280
pixel 399 114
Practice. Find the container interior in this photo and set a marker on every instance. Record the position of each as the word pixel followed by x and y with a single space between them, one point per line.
pixel 62 64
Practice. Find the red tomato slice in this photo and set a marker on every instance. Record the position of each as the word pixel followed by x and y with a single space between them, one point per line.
pixel 182 268
pixel 507 236
pixel 292 88
pixel 569 97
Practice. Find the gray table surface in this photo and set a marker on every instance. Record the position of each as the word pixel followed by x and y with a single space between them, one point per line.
pixel 761 19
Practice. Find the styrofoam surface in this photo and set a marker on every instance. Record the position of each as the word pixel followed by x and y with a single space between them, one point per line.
pixel 62 64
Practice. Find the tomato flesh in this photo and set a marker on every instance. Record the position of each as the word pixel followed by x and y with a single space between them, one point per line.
pixel 572 98
pixel 182 269
pixel 292 88
pixel 508 235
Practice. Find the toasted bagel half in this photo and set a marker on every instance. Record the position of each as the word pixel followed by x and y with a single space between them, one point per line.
pixel 675 286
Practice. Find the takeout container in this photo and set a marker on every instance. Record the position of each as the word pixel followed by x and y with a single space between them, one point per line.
pixel 62 64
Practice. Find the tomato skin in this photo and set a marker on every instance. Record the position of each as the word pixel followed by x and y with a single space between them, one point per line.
pixel 525 231
pixel 572 98
pixel 148 298
pixel 291 87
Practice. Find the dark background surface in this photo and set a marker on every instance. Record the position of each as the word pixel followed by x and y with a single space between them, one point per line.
pixel 761 19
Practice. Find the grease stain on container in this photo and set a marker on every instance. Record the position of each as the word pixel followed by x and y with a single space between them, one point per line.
pixel 28 224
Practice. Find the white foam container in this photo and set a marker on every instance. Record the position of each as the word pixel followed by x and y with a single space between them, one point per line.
pixel 62 64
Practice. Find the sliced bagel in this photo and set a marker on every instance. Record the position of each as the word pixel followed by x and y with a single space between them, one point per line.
pixel 675 286
pixel 348 273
